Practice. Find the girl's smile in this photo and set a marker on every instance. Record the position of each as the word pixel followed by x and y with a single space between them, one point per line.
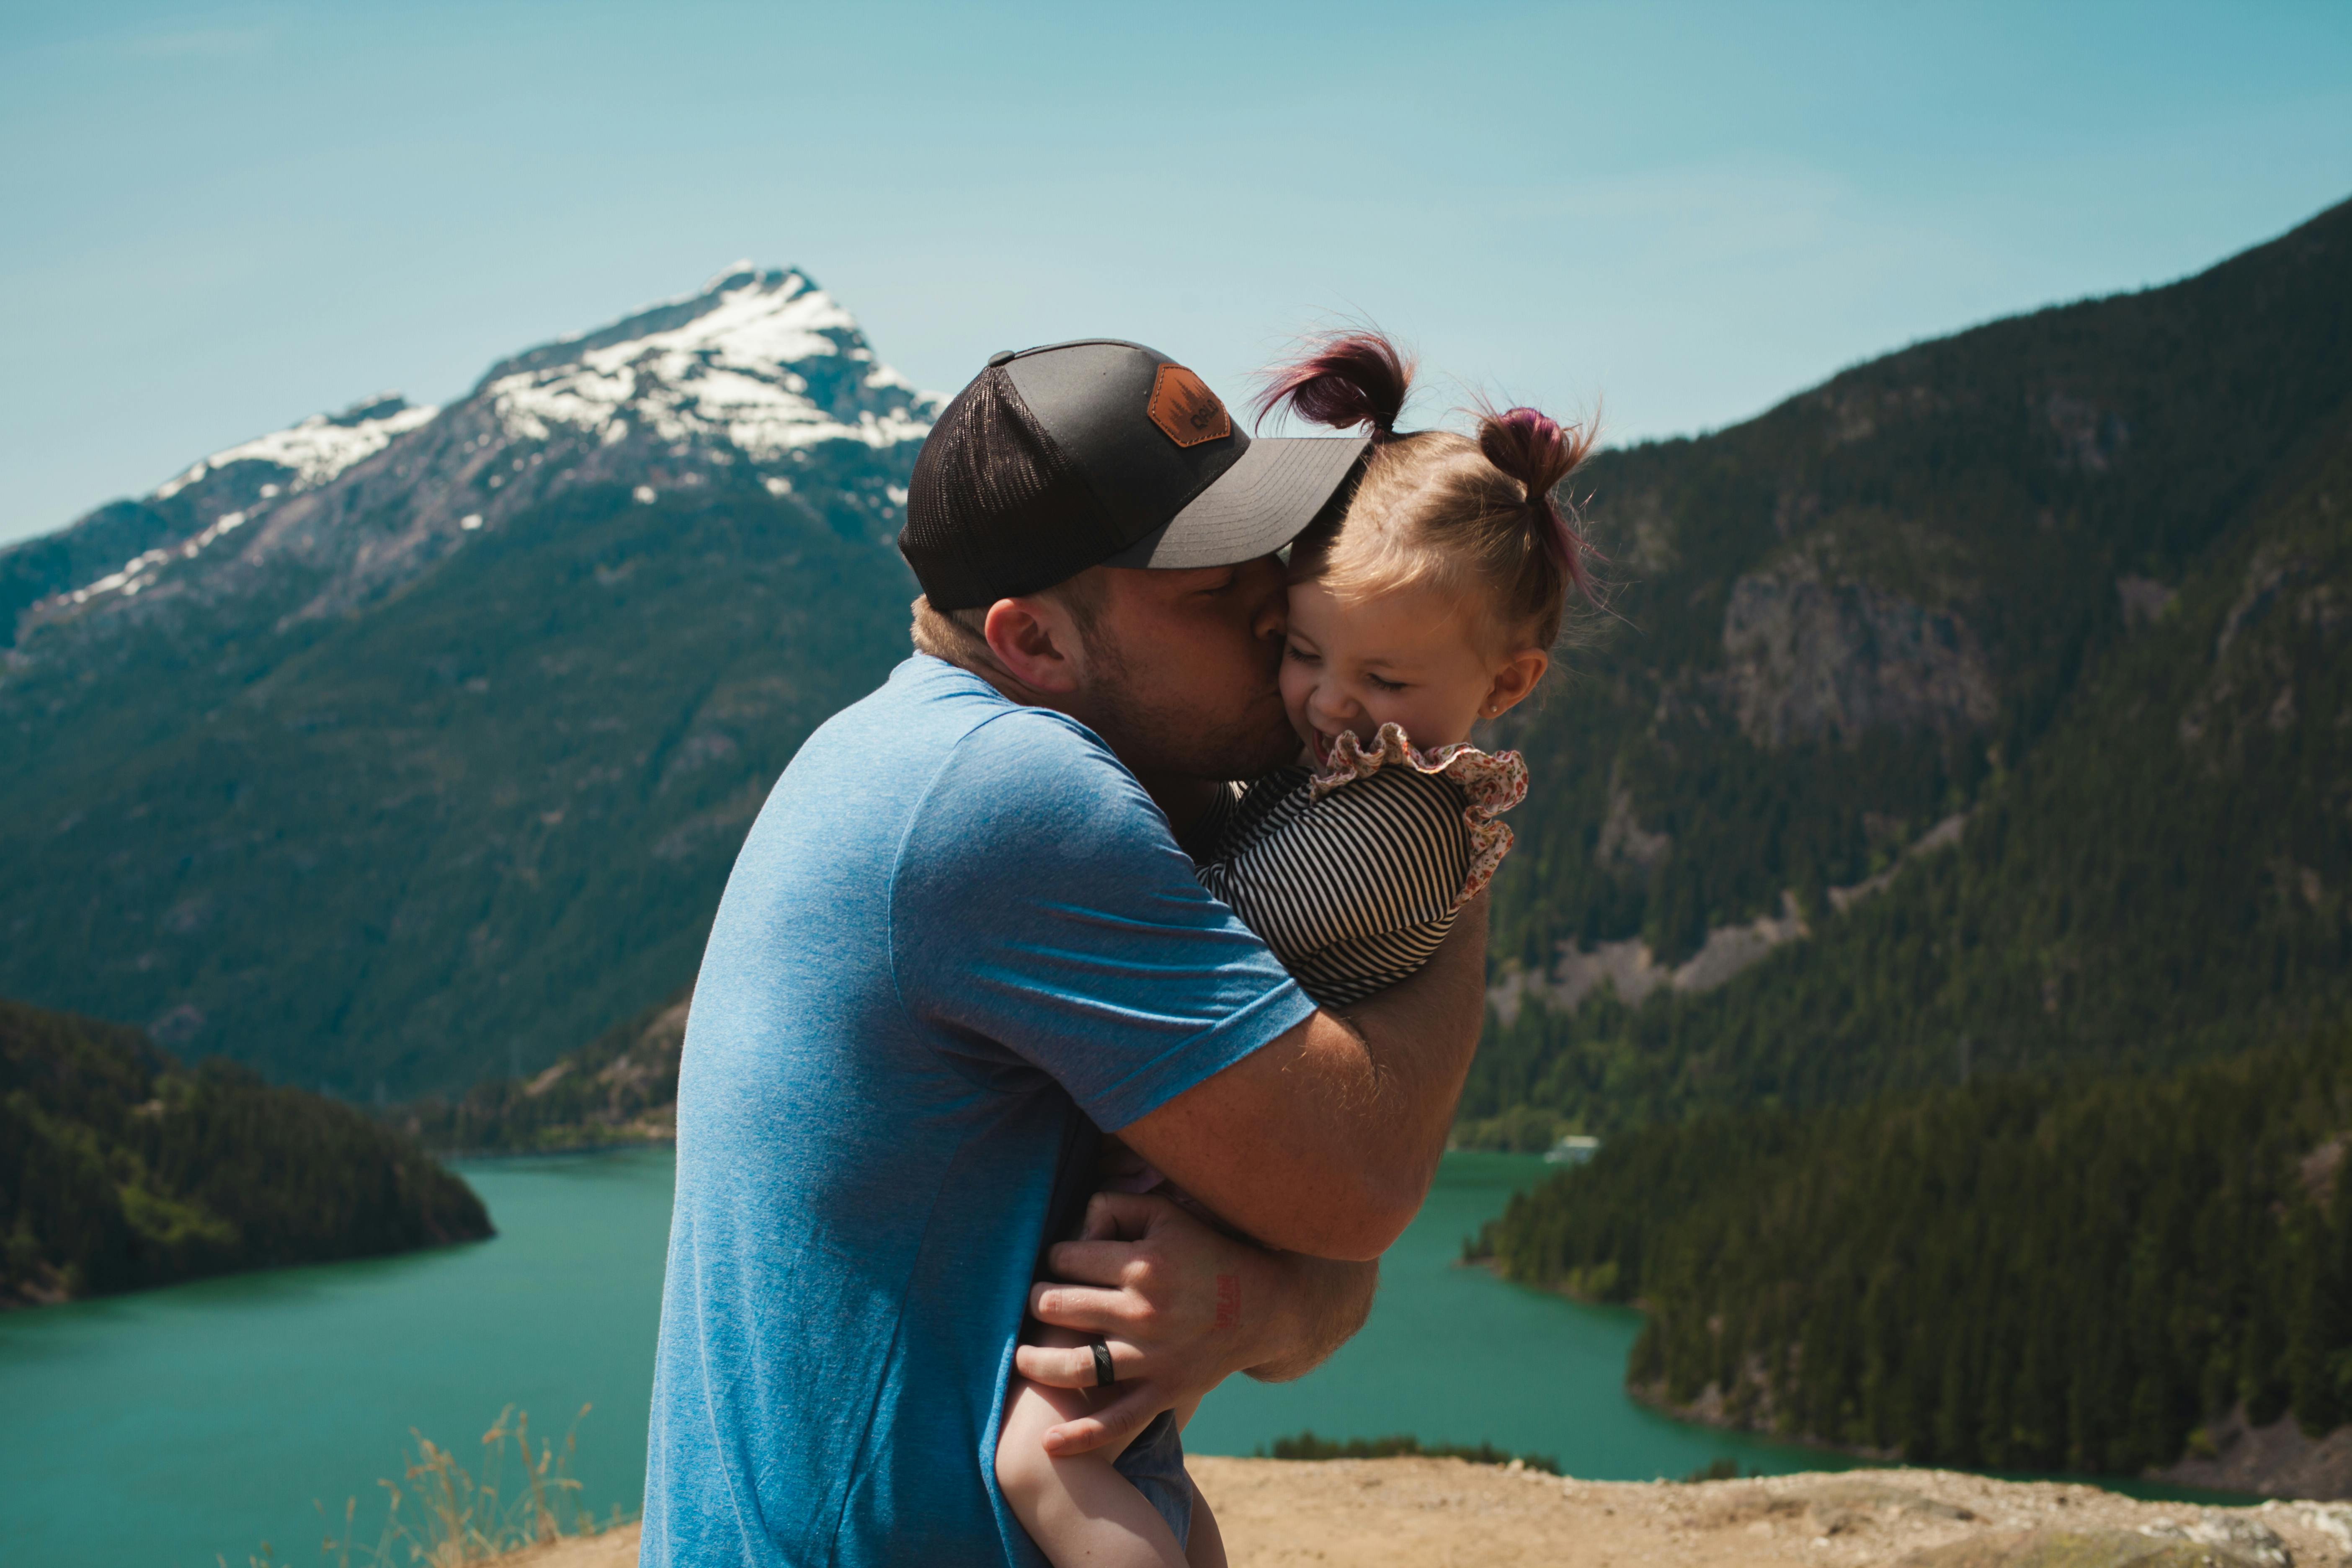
pixel 1404 656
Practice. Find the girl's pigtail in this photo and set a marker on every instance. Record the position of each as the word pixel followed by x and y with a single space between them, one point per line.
pixel 1532 447
pixel 1343 380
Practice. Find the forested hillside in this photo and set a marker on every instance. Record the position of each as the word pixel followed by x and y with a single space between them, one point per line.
pixel 2013 1274
pixel 120 1168
pixel 1980 705
pixel 2070 590
pixel 2164 877
pixel 415 748
pixel 619 1089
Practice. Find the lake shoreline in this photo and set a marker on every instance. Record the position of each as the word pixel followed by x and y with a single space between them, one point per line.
pixel 39 1296
pixel 137 1434
pixel 666 1143
pixel 2278 1461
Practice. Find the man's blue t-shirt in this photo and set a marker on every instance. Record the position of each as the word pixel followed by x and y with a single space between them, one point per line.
pixel 958 938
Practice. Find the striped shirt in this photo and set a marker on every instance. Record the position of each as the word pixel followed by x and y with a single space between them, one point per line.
pixel 1353 877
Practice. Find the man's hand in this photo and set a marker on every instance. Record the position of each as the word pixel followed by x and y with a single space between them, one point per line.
pixel 1181 1307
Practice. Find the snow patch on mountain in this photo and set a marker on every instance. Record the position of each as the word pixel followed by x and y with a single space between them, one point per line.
pixel 317 449
pixel 140 572
pixel 760 377
pixel 733 373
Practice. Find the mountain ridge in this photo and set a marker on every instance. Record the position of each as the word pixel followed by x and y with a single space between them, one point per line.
pixel 2056 485
pixel 752 344
pixel 280 721
pixel 1849 626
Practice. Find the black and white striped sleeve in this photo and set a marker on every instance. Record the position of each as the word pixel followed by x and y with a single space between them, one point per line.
pixel 1353 891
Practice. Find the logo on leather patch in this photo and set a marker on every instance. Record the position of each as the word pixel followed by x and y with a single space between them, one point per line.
pixel 1185 409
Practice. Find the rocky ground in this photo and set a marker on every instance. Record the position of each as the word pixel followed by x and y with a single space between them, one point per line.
pixel 2277 1460
pixel 1443 1513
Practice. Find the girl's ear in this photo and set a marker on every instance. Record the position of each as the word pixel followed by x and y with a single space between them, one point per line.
pixel 1514 678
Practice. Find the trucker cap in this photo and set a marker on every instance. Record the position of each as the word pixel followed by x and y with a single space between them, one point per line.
pixel 1100 453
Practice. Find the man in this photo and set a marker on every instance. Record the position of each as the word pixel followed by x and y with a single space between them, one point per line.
pixel 960 938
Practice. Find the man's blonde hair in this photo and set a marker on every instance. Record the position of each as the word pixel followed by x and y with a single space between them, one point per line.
pixel 961 636
pixel 958 637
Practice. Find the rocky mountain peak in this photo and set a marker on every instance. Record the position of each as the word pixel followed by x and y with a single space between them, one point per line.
pixel 760 377
pixel 308 453
pixel 764 362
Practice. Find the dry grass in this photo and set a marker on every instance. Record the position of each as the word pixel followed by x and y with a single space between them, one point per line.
pixel 441 1514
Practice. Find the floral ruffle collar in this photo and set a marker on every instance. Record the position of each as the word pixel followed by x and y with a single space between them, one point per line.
pixel 1494 782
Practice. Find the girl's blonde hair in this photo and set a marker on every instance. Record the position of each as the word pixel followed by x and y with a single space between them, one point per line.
pixel 1474 516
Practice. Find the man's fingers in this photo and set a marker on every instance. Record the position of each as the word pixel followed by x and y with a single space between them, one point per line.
pixel 1120 1216
pixel 1114 1423
pixel 1074 1366
pixel 1091 1262
pixel 1056 1368
pixel 1080 1307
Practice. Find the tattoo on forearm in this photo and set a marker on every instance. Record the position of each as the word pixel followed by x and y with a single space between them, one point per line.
pixel 1229 1301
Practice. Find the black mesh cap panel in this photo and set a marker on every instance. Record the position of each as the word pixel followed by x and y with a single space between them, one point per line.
pixel 995 508
pixel 1099 451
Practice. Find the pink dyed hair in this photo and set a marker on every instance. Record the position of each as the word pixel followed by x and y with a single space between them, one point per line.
pixel 1472 509
pixel 1343 380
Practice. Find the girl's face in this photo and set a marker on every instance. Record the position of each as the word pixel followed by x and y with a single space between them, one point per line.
pixel 1405 656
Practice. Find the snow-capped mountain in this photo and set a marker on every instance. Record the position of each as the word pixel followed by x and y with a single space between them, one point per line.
pixel 220 494
pixel 759 364
pixel 405 742
pixel 760 377
pixel 308 455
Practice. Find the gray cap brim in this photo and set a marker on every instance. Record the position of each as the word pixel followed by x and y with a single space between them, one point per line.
pixel 1253 509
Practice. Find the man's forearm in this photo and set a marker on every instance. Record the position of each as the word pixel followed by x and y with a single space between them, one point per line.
pixel 1325 1139
pixel 1321 1306
pixel 1421 1034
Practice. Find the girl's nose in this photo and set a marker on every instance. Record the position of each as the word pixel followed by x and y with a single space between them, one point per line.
pixel 1329 709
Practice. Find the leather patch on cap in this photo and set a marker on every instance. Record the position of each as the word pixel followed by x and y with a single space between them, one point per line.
pixel 1184 408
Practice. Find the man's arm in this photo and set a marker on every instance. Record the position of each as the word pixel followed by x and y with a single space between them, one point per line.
pixel 1324 1140
pixel 1181 1307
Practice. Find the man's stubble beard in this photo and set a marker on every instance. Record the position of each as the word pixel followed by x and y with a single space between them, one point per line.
pixel 1156 737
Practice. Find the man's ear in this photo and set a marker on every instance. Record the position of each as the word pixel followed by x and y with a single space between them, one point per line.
pixel 1514 681
pixel 1034 639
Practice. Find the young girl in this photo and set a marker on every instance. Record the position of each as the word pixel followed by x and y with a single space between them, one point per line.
pixel 1431 606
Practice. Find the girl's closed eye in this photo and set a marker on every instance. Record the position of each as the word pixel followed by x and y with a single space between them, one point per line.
pixel 1382 683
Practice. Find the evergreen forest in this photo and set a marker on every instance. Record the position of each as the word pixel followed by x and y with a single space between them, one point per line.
pixel 620 1088
pixel 2152 788
pixel 2022 1272
pixel 122 1168
pixel 2024 1150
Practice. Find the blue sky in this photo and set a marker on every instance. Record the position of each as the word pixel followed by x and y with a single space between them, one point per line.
pixel 225 217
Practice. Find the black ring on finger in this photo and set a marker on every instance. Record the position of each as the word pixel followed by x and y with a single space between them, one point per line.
pixel 1104 1374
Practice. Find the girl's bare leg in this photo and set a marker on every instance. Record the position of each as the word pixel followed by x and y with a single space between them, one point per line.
pixel 1204 1546
pixel 1081 1513
pixel 1204 1543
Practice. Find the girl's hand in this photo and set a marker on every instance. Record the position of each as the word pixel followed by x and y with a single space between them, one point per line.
pixel 1180 1307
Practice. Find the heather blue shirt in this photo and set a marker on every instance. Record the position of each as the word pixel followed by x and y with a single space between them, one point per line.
pixel 958 938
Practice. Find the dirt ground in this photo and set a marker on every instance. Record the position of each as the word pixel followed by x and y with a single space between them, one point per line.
pixel 1443 1513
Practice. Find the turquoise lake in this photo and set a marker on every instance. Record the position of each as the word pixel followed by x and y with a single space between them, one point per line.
pixel 185 1425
